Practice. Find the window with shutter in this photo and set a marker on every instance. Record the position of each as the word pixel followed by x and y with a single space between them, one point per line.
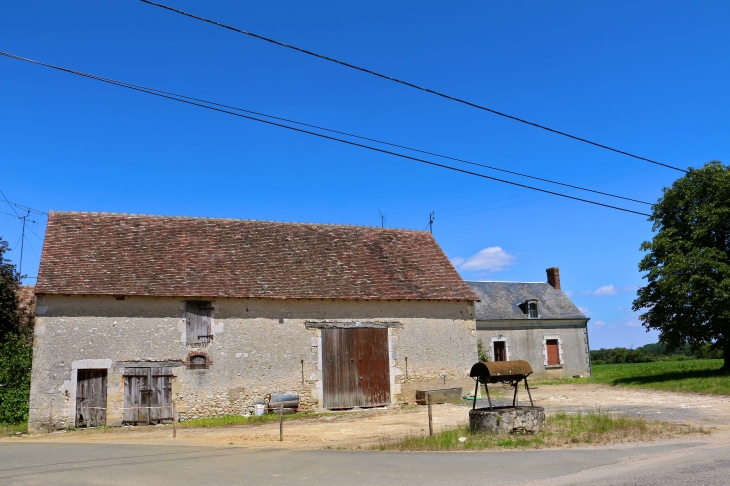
pixel 553 352
pixel 197 320
pixel 500 351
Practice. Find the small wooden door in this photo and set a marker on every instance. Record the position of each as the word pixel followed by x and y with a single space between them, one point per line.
pixel 553 352
pixel 90 398
pixel 356 367
pixel 147 395
pixel 500 351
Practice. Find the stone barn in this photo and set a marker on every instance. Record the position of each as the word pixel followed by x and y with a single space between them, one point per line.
pixel 533 321
pixel 135 312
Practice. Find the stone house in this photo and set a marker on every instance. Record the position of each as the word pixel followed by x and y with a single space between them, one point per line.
pixel 533 321
pixel 135 312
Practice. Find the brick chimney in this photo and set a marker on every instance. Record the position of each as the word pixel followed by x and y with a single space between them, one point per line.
pixel 553 275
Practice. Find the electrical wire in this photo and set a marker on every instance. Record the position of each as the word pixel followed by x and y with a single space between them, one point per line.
pixel 9 203
pixel 411 85
pixel 456 159
pixel 320 135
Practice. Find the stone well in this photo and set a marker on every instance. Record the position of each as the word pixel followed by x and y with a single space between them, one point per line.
pixel 507 420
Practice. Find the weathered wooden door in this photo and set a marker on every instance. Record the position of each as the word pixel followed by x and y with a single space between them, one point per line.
pixel 90 398
pixel 355 367
pixel 161 396
pixel 553 352
pixel 147 395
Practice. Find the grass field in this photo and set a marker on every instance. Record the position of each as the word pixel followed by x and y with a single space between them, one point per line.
pixel 597 427
pixel 700 375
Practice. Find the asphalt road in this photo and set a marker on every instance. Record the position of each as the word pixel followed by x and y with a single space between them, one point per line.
pixel 704 462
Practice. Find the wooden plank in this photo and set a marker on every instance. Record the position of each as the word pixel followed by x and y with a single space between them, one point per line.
pixel 440 395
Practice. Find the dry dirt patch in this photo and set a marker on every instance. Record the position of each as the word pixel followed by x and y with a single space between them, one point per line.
pixel 366 428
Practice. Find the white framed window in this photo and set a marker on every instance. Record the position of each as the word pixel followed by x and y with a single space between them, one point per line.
pixel 552 351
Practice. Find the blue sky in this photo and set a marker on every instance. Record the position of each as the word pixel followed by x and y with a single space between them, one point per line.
pixel 647 77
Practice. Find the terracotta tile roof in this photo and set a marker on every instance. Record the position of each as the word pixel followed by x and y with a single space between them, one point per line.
pixel 123 254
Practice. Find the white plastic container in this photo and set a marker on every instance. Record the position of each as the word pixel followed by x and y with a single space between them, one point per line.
pixel 259 409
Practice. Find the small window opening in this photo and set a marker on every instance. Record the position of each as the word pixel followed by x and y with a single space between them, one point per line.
pixel 198 362
pixel 532 309
pixel 500 351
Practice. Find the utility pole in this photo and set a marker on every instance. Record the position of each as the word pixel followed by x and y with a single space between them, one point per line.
pixel 22 243
pixel 430 222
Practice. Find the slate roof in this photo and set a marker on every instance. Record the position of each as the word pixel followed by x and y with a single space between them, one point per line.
pixel 501 300
pixel 126 254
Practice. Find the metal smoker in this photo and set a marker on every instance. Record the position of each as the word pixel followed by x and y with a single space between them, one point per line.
pixel 511 372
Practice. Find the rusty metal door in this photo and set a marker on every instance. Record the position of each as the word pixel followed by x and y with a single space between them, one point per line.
pixel 355 367
pixel 90 398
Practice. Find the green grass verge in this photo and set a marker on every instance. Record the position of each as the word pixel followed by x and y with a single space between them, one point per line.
pixel 226 420
pixel 700 375
pixel 9 430
pixel 561 429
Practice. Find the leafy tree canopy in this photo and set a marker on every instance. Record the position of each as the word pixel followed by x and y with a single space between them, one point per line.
pixel 9 285
pixel 687 264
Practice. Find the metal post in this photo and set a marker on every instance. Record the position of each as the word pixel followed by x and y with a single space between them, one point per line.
pixel 430 416
pixel 489 400
pixel 528 393
pixel 302 373
pixel 174 420
pixel 406 367
pixel 476 389
pixel 514 400
pixel 281 423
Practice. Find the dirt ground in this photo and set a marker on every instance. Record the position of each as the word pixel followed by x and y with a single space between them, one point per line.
pixel 365 428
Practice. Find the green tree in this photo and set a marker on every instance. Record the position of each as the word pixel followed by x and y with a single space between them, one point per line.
pixel 16 350
pixel 9 285
pixel 687 297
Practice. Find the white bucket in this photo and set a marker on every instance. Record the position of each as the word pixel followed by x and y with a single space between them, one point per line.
pixel 259 409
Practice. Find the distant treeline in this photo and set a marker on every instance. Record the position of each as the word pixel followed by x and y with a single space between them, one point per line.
pixel 653 352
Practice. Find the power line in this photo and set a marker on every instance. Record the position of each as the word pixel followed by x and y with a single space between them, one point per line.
pixel 411 85
pixel 9 203
pixel 321 135
pixel 456 159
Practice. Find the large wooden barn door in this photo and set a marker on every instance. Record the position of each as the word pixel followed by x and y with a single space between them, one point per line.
pixel 90 398
pixel 147 395
pixel 355 367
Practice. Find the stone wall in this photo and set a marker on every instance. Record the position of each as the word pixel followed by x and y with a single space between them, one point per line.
pixel 259 346
pixel 528 343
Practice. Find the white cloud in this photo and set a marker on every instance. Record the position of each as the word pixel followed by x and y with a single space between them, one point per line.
pixel 633 323
pixel 569 293
pixel 456 261
pixel 586 311
pixel 493 259
pixel 609 290
pixel 599 323
pixel 605 290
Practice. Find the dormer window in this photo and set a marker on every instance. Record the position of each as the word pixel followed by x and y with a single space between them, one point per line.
pixel 529 307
